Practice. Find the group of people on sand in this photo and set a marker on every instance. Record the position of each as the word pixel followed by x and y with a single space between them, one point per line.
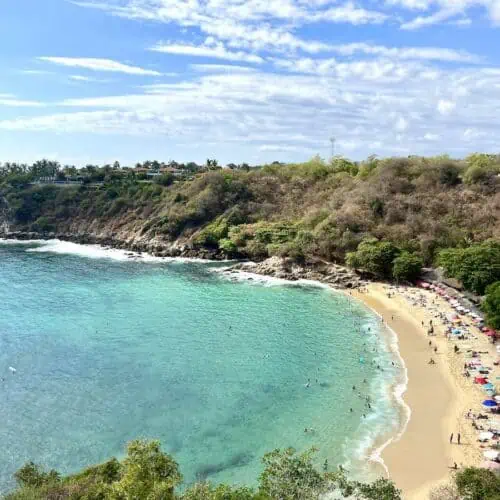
pixel 458 327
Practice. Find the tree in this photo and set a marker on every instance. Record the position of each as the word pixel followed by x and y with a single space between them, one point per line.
pixel 291 476
pixel 212 164
pixel 407 267
pixel 449 174
pixel 491 305
pixel 165 179
pixel 381 489
pixel 478 484
pixel 476 267
pixel 147 473
pixel 374 256
pixel 207 491
pixel 32 475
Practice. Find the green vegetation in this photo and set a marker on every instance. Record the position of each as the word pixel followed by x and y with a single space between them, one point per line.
pixel 470 484
pixel 476 266
pixel 491 305
pixel 375 257
pixel 386 217
pixel 146 473
pixel 407 267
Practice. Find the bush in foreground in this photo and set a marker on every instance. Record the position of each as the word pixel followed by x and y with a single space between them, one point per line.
pixel 146 473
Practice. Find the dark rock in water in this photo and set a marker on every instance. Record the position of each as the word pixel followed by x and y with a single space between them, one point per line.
pixel 238 460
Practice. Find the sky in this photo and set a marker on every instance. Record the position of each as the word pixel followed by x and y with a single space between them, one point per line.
pixel 94 81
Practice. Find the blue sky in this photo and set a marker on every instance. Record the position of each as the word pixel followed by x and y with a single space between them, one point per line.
pixel 247 80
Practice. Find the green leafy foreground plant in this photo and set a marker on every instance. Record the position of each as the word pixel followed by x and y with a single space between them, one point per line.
pixel 148 473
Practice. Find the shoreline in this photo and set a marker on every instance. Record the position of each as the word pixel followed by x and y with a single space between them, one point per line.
pixel 418 456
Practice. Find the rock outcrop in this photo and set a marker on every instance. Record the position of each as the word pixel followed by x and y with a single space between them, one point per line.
pixel 314 269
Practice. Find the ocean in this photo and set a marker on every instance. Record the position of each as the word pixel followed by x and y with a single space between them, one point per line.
pixel 109 348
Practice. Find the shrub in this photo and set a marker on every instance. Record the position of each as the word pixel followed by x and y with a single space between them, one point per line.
pixel 165 179
pixel 449 174
pixel 228 246
pixel 407 267
pixel 373 256
pixel 476 267
pixel 478 484
pixel 33 475
pixel 491 305
pixel 43 225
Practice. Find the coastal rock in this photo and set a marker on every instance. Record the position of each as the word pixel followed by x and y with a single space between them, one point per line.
pixel 313 270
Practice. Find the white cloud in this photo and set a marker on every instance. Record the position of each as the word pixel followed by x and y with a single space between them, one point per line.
pixel 401 124
pixel 431 137
pixel 80 78
pixel 95 64
pixel 445 107
pixel 299 111
pixel 221 68
pixel 416 53
pixel 215 50
pixel 12 102
pixel 444 10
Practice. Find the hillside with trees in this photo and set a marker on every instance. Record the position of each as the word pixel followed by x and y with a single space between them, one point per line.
pixel 386 217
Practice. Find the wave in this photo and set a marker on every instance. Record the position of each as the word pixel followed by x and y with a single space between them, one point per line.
pixel 368 446
pixel 397 393
pixel 6 241
pixel 268 281
pixel 96 251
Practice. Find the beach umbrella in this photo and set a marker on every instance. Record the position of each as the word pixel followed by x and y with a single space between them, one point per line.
pixel 490 465
pixel 497 398
pixel 456 331
pixel 490 403
pixel 480 380
pixel 484 436
pixel 489 386
pixel 491 454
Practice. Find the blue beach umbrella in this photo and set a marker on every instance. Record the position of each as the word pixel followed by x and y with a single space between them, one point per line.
pixel 490 403
pixel 456 331
pixel 488 387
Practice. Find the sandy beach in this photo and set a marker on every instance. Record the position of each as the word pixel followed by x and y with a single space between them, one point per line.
pixel 439 395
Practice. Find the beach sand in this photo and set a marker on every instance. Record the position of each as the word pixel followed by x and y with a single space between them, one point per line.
pixel 439 395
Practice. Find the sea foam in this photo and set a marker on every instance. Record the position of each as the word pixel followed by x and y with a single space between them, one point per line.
pixel 95 251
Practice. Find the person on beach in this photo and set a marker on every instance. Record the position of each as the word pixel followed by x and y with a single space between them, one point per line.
pixel 458 438
pixel 432 362
pixel 451 438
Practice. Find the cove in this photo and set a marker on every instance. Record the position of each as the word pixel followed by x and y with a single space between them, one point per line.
pixel 108 349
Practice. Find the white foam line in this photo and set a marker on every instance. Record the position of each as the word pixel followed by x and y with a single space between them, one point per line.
pixel 260 279
pixel 398 393
pixel 7 241
pixel 97 252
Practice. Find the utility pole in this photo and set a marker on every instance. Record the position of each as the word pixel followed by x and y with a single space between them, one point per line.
pixel 332 141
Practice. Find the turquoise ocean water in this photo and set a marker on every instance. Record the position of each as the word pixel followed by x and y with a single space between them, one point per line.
pixel 107 349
